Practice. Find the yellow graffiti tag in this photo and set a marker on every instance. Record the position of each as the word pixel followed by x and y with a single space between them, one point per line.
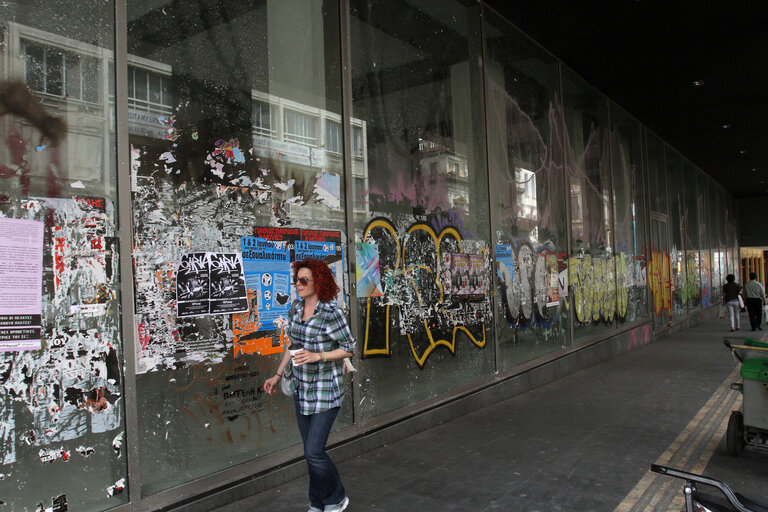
pixel 433 344
pixel 660 282
pixel 400 257
pixel 386 350
pixel 600 286
pixel 622 297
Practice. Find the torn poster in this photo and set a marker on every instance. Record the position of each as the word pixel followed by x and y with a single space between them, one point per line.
pixel 553 283
pixel 210 283
pixel 227 284
pixel 286 235
pixel 21 280
pixel 118 488
pixel 367 270
pixel 333 256
pixel 562 276
pixel 318 250
pixel 468 277
pixel 267 269
pixel 328 189
pixel 192 286
pixel 324 235
pixel 7 425
pixel 245 336
pixel 505 259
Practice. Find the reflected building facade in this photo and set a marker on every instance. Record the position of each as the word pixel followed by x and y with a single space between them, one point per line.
pixel 513 212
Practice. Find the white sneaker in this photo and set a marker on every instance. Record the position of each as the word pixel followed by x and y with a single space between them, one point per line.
pixel 337 507
pixel 312 508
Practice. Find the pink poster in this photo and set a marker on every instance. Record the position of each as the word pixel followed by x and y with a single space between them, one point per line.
pixel 21 281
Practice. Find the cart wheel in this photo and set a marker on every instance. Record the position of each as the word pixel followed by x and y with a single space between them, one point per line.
pixel 734 440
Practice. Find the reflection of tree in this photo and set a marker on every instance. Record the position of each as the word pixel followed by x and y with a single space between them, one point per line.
pixel 16 99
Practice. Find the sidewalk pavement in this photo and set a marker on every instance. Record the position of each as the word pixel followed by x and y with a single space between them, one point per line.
pixel 582 443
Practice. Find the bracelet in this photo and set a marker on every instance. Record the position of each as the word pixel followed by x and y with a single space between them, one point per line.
pixel 323 353
pixel 279 374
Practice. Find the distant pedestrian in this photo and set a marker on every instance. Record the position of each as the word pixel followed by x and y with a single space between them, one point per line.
pixel 731 292
pixel 754 293
pixel 319 326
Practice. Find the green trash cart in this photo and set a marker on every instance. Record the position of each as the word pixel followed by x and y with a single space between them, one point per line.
pixel 749 426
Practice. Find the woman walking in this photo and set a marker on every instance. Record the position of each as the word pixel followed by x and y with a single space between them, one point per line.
pixel 731 292
pixel 318 369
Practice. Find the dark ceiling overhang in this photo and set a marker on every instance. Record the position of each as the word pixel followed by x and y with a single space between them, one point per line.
pixel 647 55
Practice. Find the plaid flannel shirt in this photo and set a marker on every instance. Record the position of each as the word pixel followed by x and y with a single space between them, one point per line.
pixel 320 386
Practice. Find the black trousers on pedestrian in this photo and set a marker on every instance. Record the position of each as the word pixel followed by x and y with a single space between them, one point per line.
pixel 755 310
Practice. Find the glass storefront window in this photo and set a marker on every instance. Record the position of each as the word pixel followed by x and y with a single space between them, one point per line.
pixel 510 228
pixel 416 85
pixel 717 241
pixel 655 167
pixel 235 158
pixel 706 235
pixel 526 169
pixel 591 267
pixel 694 259
pixel 629 217
pixel 62 400
pixel 677 260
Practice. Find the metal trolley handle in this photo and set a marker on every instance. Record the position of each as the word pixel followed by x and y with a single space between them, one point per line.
pixel 690 478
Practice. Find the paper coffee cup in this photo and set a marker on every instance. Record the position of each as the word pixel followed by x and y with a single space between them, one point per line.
pixel 293 353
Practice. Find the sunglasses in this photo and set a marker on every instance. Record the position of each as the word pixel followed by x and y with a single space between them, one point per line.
pixel 303 281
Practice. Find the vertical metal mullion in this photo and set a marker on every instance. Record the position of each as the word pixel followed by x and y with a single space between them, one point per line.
pixel 349 183
pixel 611 198
pixel 491 203
pixel 128 326
pixel 667 234
pixel 645 179
pixel 567 198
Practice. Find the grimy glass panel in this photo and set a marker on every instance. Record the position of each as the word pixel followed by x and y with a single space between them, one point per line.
pixel 231 179
pixel 707 236
pixel 629 215
pixel 657 185
pixel 416 85
pixel 658 251
pixel 641 295
pixel 591 267
pixel 724 227
pixel 61 385
pixel 694 260
pixel 716 242
pixel 733 210
pixel 659 274
pixel 677 262
pixel 528 193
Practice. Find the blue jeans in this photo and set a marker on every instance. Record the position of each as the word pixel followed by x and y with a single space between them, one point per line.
pixel 325 486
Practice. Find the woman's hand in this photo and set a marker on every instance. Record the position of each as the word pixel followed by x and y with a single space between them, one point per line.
pixel 305 356
pixel 270 385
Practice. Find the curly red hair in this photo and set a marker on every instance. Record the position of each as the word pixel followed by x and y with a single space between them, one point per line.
pixel 324 281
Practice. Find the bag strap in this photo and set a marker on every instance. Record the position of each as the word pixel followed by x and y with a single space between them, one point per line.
pixel 292 309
